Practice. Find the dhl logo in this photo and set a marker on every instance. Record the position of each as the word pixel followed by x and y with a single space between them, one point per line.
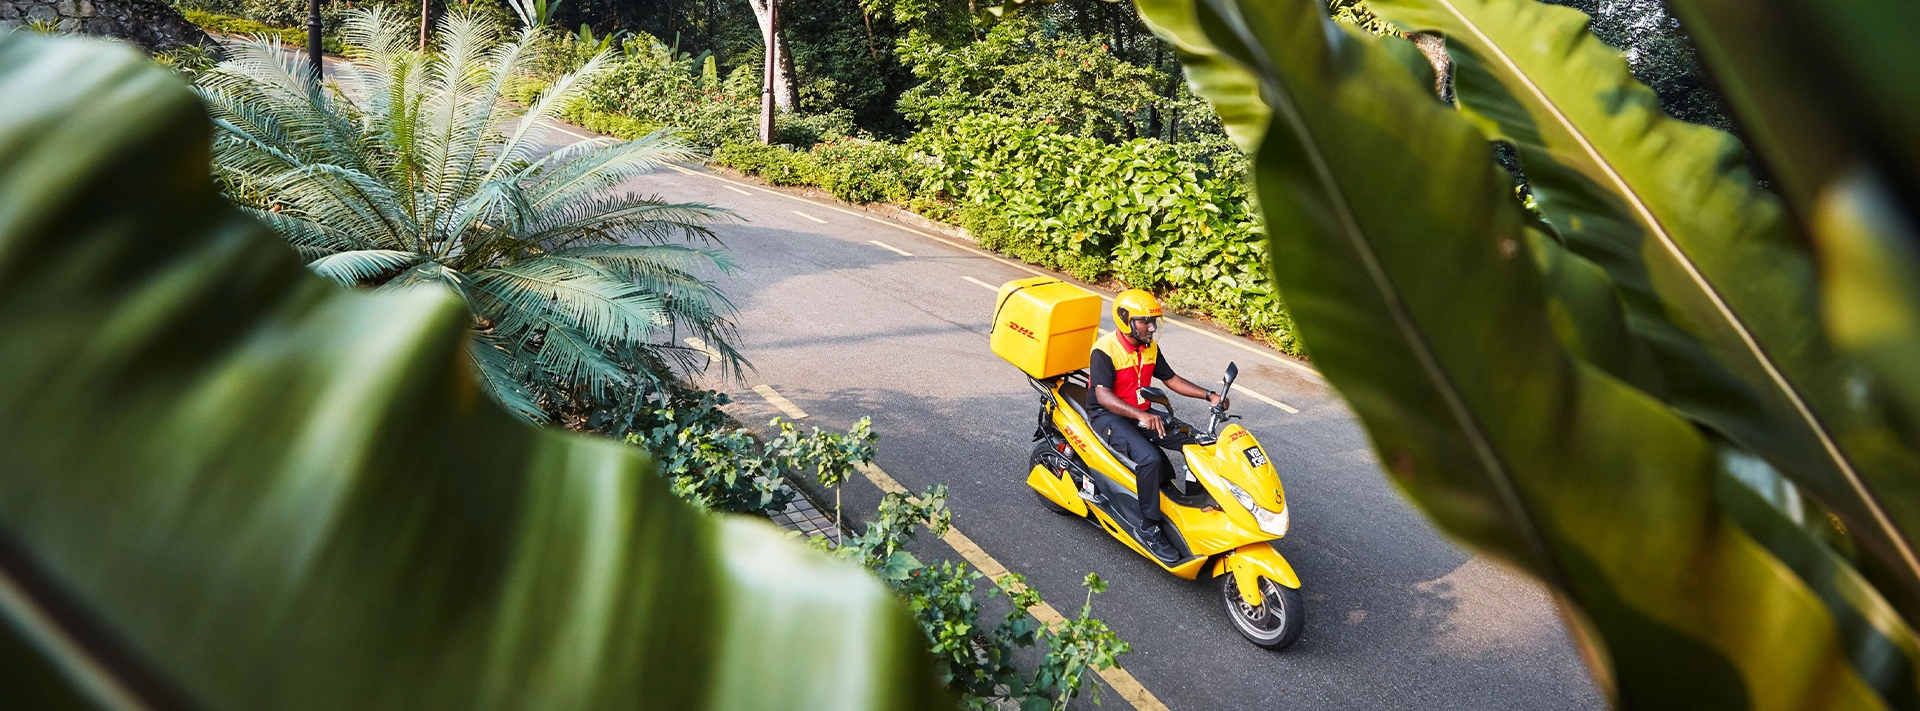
pixel 1077 442
pixel 1236 435
pixel 1021 329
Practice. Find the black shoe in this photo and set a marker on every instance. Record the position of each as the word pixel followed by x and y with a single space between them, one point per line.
pixel 1156 543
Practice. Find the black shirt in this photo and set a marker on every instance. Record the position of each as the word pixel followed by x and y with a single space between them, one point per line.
pixel 1101 374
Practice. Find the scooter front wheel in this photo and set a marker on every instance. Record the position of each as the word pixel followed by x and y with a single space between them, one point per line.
pixel 1274 625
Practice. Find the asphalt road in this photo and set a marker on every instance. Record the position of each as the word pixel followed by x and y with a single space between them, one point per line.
pixel 849 317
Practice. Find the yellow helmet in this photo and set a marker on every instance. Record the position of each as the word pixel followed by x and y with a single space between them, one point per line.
pixel 1132 304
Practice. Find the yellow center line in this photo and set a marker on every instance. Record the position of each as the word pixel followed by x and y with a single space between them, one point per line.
pixel 1270 401
pixel 1283 360
pixel 700 345
pixel 779 401
pixel 1119 678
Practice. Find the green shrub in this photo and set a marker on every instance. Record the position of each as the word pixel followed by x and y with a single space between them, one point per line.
pixel 649 85
pixel 231 25
pixel 1172 219
pixel 773 164
pixel 865 171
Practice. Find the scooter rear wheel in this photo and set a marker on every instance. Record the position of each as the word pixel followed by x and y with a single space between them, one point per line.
pixel 1274 625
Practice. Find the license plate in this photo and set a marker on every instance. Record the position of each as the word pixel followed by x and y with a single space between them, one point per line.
pixel 1255 457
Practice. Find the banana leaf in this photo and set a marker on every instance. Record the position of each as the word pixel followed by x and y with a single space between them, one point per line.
pixel 227 483
pixel 1713 275
pixel 1826 94
pixel 1409 271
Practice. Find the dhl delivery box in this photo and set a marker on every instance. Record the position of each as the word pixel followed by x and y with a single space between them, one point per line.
pixel 1045 326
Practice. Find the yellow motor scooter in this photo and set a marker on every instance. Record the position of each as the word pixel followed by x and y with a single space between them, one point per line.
pixel 1224 505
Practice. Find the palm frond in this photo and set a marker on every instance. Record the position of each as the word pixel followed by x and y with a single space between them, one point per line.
pixel 693 305
pixel 524 141
pixel 569 355
pixel 268 92
pixel 504 378
pixel 621 218
pixel 359 266
pixel 499 204
pixel 546 293
pixel 455 107
pixel 568 172
pixel 348 200
pixel 311 239
pixel 431 272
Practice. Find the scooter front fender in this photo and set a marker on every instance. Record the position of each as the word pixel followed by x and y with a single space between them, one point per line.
pixel 1253 561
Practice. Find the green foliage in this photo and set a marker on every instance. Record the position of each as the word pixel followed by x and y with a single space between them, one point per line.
pixel 189 61
pixel 293 38
pixel 440 179
pixel 250 488
pixel 1143 211
pixel 1628 392
pixel 775 164
pixel 974 659
pixel 648 84
pixel 1020 72
pixel 718 467
pixel 866 171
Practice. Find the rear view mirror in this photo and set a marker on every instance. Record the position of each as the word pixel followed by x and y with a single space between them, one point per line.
pixel 1233 371
pixel 1153 394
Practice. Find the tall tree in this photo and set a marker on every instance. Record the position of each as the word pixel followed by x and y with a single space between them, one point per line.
pixel 777 73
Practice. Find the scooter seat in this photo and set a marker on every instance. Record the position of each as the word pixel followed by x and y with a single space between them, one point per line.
pixel 1076 395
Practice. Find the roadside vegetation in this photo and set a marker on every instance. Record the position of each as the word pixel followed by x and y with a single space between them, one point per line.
pixel 434 168
pixel 1588 331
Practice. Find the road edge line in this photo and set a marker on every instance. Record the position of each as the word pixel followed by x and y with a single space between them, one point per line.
pixel 780 402
pixel 1122 681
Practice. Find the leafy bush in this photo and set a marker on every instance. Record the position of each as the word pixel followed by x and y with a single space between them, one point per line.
pixel 865 171
pixel 719 467
pixel 976 660
pixel 291 37
pixel 775 164
pixel 1019 71
pixel 647 84
pixel 1158 216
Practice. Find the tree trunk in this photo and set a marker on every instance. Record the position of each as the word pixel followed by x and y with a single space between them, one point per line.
pixel 774 40
pixel 424 14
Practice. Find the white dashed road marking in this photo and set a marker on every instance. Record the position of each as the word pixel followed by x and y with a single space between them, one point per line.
pixel 810 217
pixel 982 283
pixel 737 190
pixel 895 250
pixel 1270 401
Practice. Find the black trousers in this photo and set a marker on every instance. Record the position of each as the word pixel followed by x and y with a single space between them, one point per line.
pixel 1151 469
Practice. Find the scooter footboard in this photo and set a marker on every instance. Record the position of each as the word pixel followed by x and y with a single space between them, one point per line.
pixel 1253 561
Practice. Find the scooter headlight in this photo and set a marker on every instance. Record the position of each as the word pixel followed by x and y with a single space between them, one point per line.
pixel 1273 522
pixel 1241 495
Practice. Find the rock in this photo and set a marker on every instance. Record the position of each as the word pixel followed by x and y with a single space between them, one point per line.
pixel 42 13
